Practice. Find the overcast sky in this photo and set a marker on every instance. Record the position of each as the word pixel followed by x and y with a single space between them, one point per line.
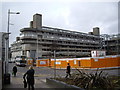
pixel 71 15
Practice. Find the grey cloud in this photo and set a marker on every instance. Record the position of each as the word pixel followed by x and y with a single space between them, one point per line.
pixel 92 14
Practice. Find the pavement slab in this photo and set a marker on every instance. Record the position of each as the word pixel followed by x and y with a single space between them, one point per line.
pixel 17 82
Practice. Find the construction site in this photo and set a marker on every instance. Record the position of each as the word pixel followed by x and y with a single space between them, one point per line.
pixel 62 46
pixel 98 61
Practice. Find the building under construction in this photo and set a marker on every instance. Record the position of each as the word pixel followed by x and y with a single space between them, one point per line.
pixel 111 44
pixel 42 41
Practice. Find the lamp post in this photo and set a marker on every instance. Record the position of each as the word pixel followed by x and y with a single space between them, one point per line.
pixel 7 43
pixel 6 74
pixel 54 64
pixel 37 46
pixel 9 12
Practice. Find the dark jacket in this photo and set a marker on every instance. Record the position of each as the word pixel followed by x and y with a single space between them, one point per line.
pixel 68 69
pixel 30 76
pixel 14 69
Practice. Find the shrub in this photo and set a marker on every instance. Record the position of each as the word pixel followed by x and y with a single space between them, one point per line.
pixel 93 80
pixel 96 80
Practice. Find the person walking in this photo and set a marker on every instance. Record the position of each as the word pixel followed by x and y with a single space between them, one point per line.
pixel 68 69
pixel 14 70
pixel 29 75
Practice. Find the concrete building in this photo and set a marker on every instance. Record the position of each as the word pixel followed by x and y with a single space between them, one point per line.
pixel 1 53
pixel 3 56
pixel 2 46
pixel 41 41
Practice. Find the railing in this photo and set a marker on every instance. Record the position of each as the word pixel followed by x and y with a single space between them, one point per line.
pixel 28 37
pixel 67 31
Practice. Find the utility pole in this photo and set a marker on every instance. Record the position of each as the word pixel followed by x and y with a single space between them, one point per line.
pixel 54 49
pixel 54 64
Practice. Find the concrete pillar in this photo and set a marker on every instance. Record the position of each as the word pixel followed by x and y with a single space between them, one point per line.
pixel 28 54
pixel 96 31
pixel 31 24
pixel 21 52
pixel 37 21
pixel 17 38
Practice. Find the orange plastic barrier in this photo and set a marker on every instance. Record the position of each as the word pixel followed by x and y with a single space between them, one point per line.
pixel 42 62
pixel 112 61
pixel 30 61
pixel 90 62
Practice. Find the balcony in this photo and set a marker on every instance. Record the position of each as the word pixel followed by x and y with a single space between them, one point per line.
pixel 28 37
pixel 28 42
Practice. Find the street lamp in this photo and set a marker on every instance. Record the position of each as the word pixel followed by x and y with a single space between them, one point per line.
pixel 9 12
pixel 7 49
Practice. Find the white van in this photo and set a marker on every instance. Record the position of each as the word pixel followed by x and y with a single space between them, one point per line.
pixel 21 60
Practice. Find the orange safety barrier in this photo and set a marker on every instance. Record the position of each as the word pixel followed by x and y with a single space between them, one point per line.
pixel 30 61
pixel 42 62
pixel 99 62
pixel 90 62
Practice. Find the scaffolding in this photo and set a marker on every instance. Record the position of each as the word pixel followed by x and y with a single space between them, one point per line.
pixel 110 43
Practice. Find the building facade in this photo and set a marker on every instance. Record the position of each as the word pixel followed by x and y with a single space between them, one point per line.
pixel 4 53
pixel 42 41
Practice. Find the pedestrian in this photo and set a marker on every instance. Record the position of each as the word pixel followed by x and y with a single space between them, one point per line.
pixel 14 70
pixel 29 75
pixel 68 69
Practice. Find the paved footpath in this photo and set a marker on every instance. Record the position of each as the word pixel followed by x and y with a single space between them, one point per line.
pixel 40 79
pixel 17 82
pixel 41 73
